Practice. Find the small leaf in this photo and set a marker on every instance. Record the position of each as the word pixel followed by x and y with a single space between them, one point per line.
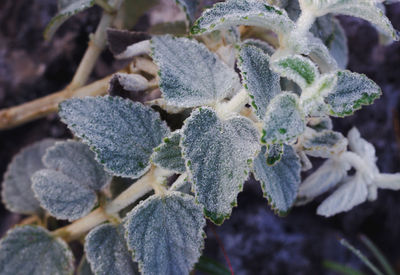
pixel 320 124
pixel 191 75
pixel 284 120
pixel 189 7
pixel 127 82
pixel 166 234
pixel 121 133
pixel 297 68
pixel 264 46
pixel 243 12
pixel 62 196
pixel 262 83
pixel 169 154
pixel 66 9
pixel 17 194
pixel 360 146
pixel 351 92
pixel 320 54
pixel 209 266
pixel 274 153
pixel 218 155
pixel 75 160
pixel 324 144
pixel 33 250
pixel 107 253
pixel 281 181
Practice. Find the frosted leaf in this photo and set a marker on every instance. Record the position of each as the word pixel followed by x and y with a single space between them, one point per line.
pixel 284 120
pixel 352 192
pixel 243 12
pixel 191 75
pixel 281 181
pixel 189 7
pixel 17 194
pixel 321 55
pixel 218 156
pixel 297 68
pixel 62 196
pixel 324 144
pixel 264 46
pixel 262 83
pixel 75 160
pixel 360 146
pixel 33 250
pixel 122 133
pixel 107 253
pixel 274 153
pixel 351 92
pixel 388 181
pixel 128 82
pixel 366 10
pixel 84 267
pixel 66 9
pixel 169 154
pixel 320 124
pixel 165 234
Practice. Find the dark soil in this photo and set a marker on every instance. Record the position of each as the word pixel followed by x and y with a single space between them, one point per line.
pixel 256 241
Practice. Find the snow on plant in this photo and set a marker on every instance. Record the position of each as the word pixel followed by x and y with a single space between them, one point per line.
pixel 267 121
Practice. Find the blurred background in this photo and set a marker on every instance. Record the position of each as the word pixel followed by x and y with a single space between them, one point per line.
pixel 254 239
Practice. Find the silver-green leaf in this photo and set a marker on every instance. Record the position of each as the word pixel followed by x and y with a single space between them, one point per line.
pixel 191 75
pixel 17 194
pixel 166 234
pixel 121 133
pixel 218 156
pixel 281 181
pixel 324 144
pixel 169 154
pixel 107 253
pixel 33 250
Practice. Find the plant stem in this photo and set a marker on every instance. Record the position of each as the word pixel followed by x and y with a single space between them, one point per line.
pixel 235 105
pixel 304 23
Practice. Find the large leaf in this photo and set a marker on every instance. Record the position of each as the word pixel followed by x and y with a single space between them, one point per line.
pixel 191 75
pixel 66 9
pixel 262 83
pixel 33 250
pixel 121 133
pixel 243 12
pixel 281 181
pixel 166 234
pixel 351 92
pixel 17 194
pixel 169 154
pixel 107 253
pixel 284 120
pixel 363 9
pixel 218 154
pixel 62 196
pixel 75 160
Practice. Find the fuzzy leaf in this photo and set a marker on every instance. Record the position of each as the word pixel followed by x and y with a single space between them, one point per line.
pixel 121 133
pixel 66 9
pixel 127 82
pixel 191 75
pixel 262 83
pixel 284 119
pixel 169 154
pixel 33 250
pixel 264 46
pixel 189 7
pixel 274 153
pixel 75 160
pixel 218 155
pixel 297 68
pixel 243 12
pixel 166 234
pixel 324 144
pixel 17 194
pixel 281 181
pixel 62 196
pixel 351 92
pixel 107 253
pixel 320 124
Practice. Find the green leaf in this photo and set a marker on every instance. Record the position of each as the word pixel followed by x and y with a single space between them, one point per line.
pixel 33 250
pixel 75 160
pixel 262 83
pixel 243 12
pixel 121 133
pixel 211 267
pixel 324 144
pixel 166 234
pixel 281 181
pixel 66 9
pixel 297 68
pixel 366 10
pixel 351 92
pixel 189 7
pixel 17 194
pixel 274 153
pixel 169 154
pixel 218 156
pixel 62 196
pixel 107 253
pixel 284 120
pixel 191 75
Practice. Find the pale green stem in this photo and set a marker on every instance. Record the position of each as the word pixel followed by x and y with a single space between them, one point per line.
pixel 235 105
